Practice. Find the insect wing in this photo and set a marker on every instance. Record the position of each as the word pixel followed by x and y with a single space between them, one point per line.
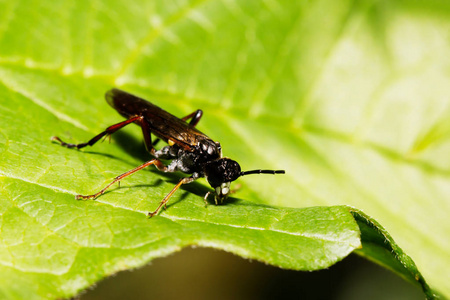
pixel 162 124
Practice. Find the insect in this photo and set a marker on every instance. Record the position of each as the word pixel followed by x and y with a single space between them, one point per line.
pixel 190 151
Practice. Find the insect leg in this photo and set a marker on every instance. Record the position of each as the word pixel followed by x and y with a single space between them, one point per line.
pixel 195 118
pixel 154 161
pixel 206 198
pixel 167 197
pixel 110 130
pixel 146 132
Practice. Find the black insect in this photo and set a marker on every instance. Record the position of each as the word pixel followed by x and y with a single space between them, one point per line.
pixel 190 150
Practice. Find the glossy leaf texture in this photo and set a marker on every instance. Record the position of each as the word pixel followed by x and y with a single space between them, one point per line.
pixel 350 97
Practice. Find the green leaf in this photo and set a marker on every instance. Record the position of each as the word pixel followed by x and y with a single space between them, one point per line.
pixel 379 246
pixel 350 97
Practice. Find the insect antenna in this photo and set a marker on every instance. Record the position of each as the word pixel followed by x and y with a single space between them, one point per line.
pixel 263 172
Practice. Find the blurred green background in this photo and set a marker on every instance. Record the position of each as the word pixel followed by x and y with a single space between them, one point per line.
pixel 203 273
pixel 352 98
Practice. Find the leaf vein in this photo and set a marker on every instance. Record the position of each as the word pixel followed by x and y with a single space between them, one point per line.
pixel 154 33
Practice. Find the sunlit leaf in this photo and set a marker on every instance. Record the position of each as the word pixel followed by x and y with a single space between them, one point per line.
pixel 350 98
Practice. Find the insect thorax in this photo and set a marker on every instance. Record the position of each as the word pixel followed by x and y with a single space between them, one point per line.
pixel 190 161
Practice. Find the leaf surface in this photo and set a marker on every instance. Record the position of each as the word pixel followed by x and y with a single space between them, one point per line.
pixel 353 103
